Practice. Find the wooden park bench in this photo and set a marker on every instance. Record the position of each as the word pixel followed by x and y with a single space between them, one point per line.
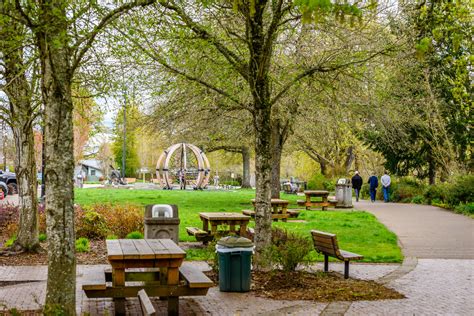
pixel 326 244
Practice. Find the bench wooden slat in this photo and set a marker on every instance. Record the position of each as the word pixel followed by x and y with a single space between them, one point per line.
pixel 194 277
pixel 158 248
pixel 350 255
pixel 194 231
pixel 144 249
pixel 114 251
pixel 95 280
pixel 145 303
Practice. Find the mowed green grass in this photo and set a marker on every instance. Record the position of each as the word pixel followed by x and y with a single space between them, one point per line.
pixel 357 231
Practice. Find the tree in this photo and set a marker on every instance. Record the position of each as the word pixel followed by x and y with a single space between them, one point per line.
pixel 21 115
pixel 239 44
pixel 63 32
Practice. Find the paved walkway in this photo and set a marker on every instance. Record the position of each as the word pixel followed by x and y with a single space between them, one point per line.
pixel 426 231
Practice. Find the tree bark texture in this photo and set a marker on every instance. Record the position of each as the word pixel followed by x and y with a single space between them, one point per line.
pixel 277 149
pixel 59 158
pixel 258 80
pixel 245 167
pixel 21 119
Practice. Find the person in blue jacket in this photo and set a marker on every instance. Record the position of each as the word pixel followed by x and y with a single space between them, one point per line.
pixel 373 184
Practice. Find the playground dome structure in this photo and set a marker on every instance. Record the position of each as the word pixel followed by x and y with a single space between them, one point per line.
pixel 183 159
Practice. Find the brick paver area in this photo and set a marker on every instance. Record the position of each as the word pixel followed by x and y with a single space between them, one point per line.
pixel 434 287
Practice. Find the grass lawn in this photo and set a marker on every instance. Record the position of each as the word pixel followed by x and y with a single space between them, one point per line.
pixel 358 232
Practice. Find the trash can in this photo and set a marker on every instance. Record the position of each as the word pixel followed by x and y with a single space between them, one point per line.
pixel 161 222
pixel 344 193
pixel 235 258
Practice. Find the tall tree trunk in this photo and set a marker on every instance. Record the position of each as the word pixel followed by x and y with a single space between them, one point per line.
pixel 21 119
pixel 431 170
pixel 25 168
pixel 277 148
pixel 246 167
pixel 350 157
pixel 323 167
pixel 258 80
pixel 59 158
pixel 263 161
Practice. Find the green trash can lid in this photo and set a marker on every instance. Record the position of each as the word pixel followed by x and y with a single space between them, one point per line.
pixel 235 242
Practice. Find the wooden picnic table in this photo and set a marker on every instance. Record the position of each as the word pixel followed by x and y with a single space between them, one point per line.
pixel 279 209
pixel 156 263
pixel 211 221
pixel 316 198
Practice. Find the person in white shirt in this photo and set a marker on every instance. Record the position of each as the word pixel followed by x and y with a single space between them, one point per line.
pixel 385 180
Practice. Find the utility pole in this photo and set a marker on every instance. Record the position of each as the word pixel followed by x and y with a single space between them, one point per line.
pixel 124 146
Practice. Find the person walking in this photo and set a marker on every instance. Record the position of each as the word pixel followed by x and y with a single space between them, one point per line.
pixel 357 184
pixel 373 184
pixel 386 181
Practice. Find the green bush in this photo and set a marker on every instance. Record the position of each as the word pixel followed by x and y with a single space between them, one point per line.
pixel 405 189
pixel 42 237
pixel 461 190
pixel 418 199
pixel 111 237
pixel 92 225
pixel 435 193
pixel 320 182
pixel 10 241
pixel 288 249
pixel 466 209
pixel 134 235
pixel 82 245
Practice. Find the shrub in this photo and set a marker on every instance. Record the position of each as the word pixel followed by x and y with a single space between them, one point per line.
pixel 417 199
pixel 10 241
pixel 288 249
pixel 466 209
pixel 111 237
pixel 405 189
pixel 461 190
pixel 320 182
pixel 120 219
pixel 91 225
pixel 82 245
pixel 42 237
pixel 435 193
pixel 134 235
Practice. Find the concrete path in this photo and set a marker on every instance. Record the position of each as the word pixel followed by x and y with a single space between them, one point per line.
pixel 426 231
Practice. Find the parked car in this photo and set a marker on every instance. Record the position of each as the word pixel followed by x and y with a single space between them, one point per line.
pixel 9 178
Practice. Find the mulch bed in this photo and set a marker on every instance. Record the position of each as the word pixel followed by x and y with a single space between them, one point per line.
pixel 96 255
pixel 321 287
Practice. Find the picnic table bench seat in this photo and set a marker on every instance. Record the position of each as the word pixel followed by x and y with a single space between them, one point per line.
pixel 95 280
pixel 200 234
pixel 326 243
pixel 289 213
pixel 145 304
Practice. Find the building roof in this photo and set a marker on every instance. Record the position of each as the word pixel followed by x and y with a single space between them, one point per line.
pixel 91 163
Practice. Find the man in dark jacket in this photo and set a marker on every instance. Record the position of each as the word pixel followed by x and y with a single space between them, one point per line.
pixel 373 184
pixel 357 184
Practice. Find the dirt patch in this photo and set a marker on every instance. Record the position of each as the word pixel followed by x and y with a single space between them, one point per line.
pixel 319 286
pixel 96 255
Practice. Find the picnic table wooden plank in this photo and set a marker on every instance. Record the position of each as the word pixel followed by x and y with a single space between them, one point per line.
pixel 316 192
pixel 129 250
pixel 144 249
pixel 114 250
pixel 158 248
pixel 215 216
pixel 174 250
